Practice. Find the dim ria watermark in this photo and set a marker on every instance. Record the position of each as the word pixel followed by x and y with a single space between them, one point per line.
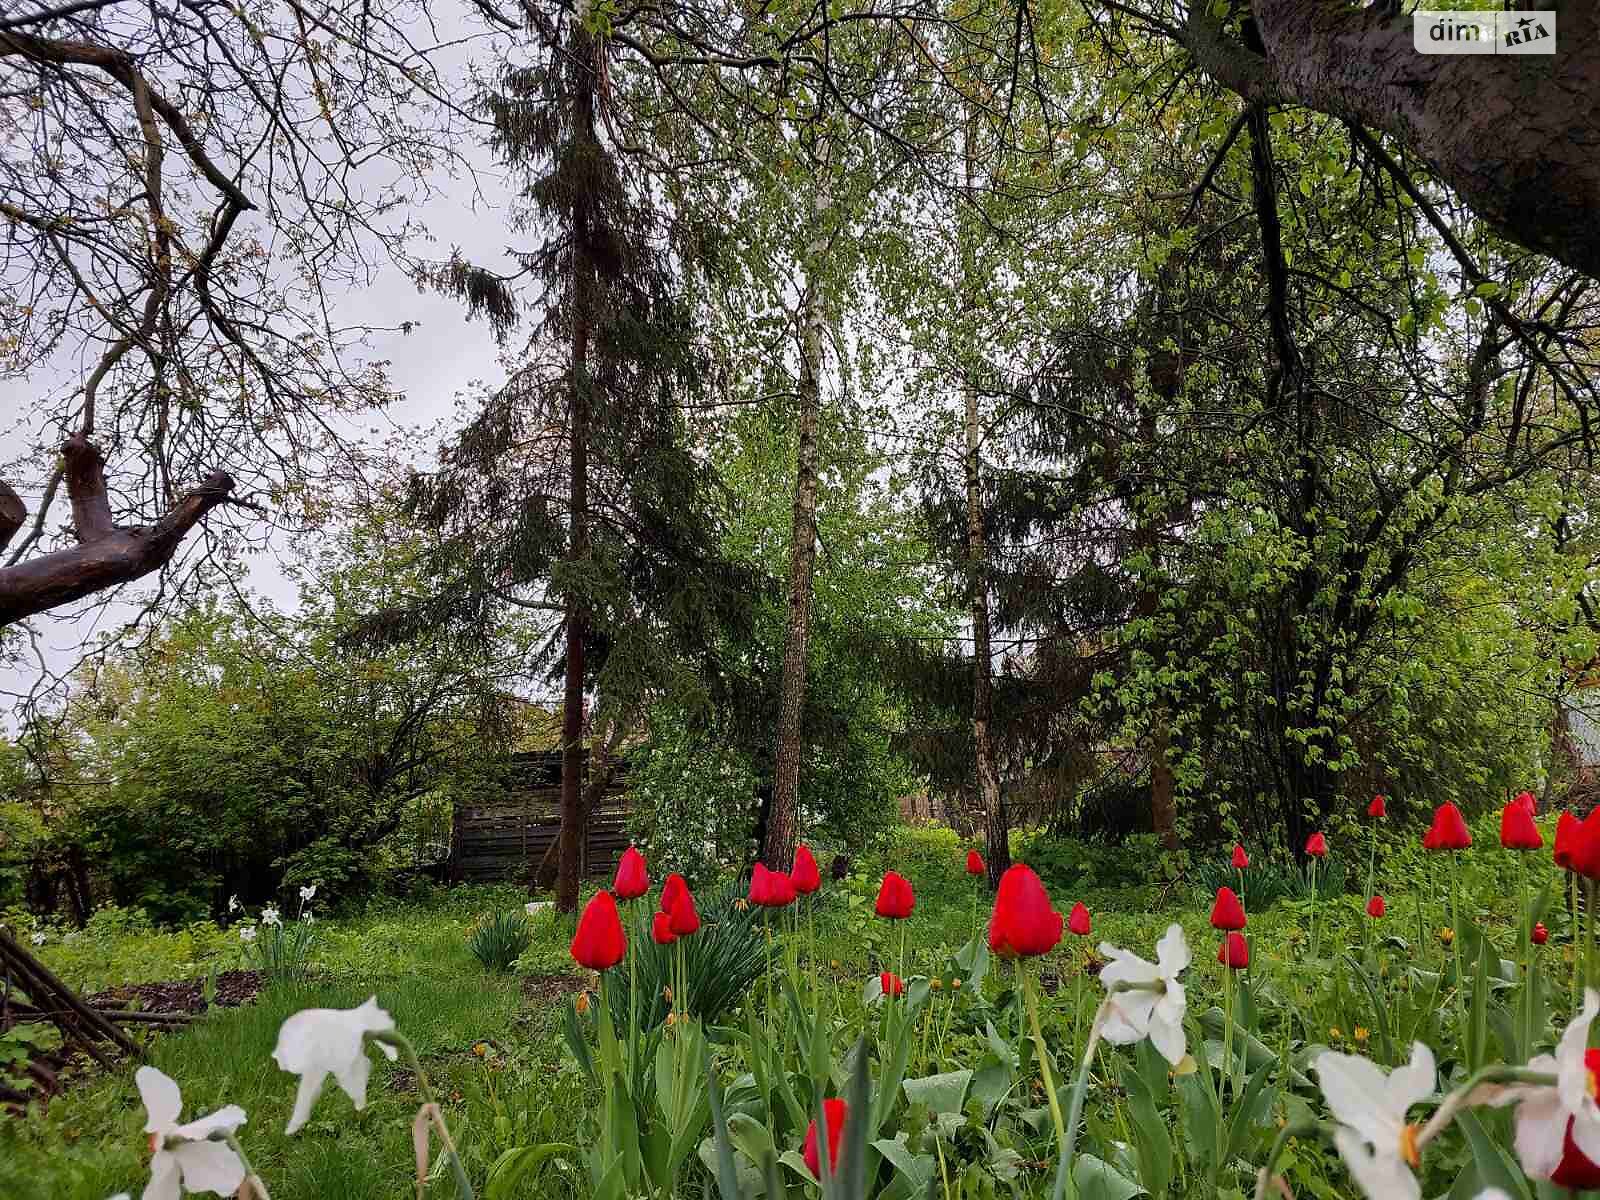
pixel 1483 32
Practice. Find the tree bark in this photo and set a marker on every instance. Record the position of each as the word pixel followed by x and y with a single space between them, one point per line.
pixel 569 866
pixel 1515 136
pixel 782 824
pixel 106 554
pixel 996 820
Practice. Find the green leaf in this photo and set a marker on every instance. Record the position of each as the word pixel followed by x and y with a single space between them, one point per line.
pixel 1152 1142
pixel 1097 1179
pixel 519 1165
pixel 1494 1165
pixel 944 1093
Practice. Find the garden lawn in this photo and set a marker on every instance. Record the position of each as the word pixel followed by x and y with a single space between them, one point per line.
pixel 493 1046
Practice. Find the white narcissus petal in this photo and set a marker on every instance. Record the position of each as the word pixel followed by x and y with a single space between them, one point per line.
pixel 209 1167
pixel 1167 1038
pixel 1172 952
pixel 1352 1086
pixel 1129 1017
pixel 163 1183
pixel 224 1120
pixel 162 1100
pixel 1586 1136
pixel 1541 1129
pixel 1382 1176
pixel 1411 1083
pixel 319 1042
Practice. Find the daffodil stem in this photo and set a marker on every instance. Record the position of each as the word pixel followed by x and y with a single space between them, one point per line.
pixel 1293 1129
pixel 1030 984
pixel 408 1055
pixel 1080 1081
pixel 252 1181
pixel 1468 1094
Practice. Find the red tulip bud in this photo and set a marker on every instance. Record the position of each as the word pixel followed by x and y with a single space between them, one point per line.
pixel 891 983
pixel 1078 920
pixel 661 930
pixel 1241 860
pixel 1023 922
pixel 599 943
pixel 837 1112
pixel 805 876
pixel 1448 831
pixel 1234 953
pixel 1317 845
pixel 975 863
pixel 1378 808
pixel 1517 830
pixel 1540 934
pixel 895 898
pixel 632 879
pixel 1227 912
pixel 1375 907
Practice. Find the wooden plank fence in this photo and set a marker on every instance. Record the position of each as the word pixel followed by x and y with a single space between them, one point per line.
pixel 506 838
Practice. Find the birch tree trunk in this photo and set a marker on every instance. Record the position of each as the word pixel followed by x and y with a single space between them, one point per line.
pixel 782 826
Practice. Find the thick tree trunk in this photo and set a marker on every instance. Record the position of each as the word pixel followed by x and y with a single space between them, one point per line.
pixel 782 826
pixel 106 554
pixel 1515 136
pixel 996 820
pixel 569 867
pixel 1163 785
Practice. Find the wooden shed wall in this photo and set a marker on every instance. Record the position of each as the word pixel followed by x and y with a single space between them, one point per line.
pixel 505 838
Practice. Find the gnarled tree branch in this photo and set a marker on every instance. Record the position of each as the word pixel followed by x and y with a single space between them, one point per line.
pixel 106 555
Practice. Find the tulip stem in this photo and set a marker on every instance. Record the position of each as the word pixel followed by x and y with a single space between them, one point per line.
pixel 408 1055
pixel 1030 989
pixel 252 1185
pixel 1293 1129
pixel 1314 906
pixel 1455 945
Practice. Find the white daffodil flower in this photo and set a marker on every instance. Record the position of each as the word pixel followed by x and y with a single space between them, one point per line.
pixel 534 907
pixel 308 892
pixel 1157 1015
pixel 184 1158
pixel 318 1042
pixel 38 938
pixel 1374 1138
pixel 247 934
pixel 233 904
pixel 269 915
pixel 1544 1113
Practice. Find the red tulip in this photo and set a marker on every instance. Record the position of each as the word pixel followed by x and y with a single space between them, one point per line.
pixel 892 984
pixel 632 879
pixel 1378 808
pixel 770 889
pixel 599 943
pixel 1376 907
pixel 1234 952
pixel 805 876
pixel 1227 912
pixel 1078 920
pixel 1566 826
pixel 1517 830
pixel 1317 845
pixel 1576 1172
pixel 1540 934
pixel 678 903
pixel 1578 844
pixel 1448 831
pixel 1526 799
pixel 1023 923
pixel 975 863
pixel 837 1112
pixel 661 930
pixel 895 898
pixel 1241 860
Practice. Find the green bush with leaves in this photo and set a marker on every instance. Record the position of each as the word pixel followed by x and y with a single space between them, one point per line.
pixel 499 941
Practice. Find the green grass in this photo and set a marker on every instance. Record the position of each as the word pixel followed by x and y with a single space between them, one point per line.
pixel 87 1144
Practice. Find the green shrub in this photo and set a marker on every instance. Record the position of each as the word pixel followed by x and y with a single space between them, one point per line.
pixel 720 962
pixel 499 941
